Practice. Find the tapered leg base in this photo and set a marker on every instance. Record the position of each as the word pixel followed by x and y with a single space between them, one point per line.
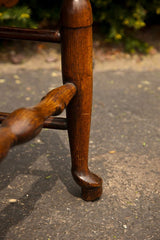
pixel 90 183
pixel 77 48
pixel 91 194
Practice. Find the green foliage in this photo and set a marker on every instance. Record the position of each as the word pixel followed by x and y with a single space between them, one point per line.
pixel 30 13
pixel 43 11
pixel 118 20
pixel 132 45
pixel 16 17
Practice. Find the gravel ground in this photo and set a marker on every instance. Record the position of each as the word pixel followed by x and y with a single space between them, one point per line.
pixel 38 197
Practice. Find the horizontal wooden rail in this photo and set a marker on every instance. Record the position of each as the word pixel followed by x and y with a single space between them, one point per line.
pixel 30 34
pixel 3 116
pixel 51 122
pixel 25 123
pixel 56 123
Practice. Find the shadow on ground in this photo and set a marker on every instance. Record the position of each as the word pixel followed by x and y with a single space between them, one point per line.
pixel 28 168
pixel 124 151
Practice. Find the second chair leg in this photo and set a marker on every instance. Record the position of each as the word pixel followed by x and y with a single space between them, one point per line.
pixel 77 68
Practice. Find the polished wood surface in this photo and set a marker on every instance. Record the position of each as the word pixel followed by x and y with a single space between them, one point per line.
pixel 8 3
pixel 56 123
pixel 51 122
pixel 30 34
pixel 76 13
pixel 76 42
pixel 25 123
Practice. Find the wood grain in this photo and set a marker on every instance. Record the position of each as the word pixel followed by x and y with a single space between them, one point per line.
pixel 25 123
pixel 43 35
pixel 76 37
pixel 51 122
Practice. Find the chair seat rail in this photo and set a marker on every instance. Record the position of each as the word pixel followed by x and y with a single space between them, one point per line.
pixel 43 35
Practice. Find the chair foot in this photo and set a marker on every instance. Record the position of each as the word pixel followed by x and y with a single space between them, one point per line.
pixel 91 194
pixel 90 183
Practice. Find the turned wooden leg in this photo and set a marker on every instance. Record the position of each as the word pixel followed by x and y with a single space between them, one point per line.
pixel 76 35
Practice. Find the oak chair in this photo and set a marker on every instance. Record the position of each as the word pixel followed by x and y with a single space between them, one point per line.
pixel 75 36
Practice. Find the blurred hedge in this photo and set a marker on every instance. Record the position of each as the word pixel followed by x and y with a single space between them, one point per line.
pixel 117 20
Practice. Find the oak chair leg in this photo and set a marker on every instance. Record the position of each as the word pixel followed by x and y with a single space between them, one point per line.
pixel 76 37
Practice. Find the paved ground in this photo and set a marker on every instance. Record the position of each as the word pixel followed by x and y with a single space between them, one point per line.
pixel 124 151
